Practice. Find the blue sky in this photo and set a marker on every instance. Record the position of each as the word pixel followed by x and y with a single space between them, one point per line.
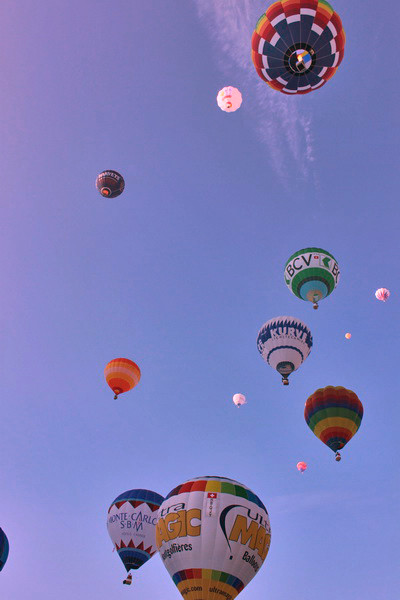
pixel 179 274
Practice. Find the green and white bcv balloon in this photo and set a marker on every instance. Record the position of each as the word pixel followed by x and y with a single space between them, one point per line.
pixel 312 274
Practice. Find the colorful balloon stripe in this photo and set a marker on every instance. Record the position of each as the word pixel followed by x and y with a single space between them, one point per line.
pixel 204 578
pixel 135 497
pixel 214 485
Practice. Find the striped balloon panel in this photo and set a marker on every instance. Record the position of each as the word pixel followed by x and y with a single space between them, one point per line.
pixel 4 549
pixel 122 375
pixel 298 45
pixel 137 497
pixel 313 284
pixel 192 581
pixel 334 415
pixel 134 558
pixel 219 485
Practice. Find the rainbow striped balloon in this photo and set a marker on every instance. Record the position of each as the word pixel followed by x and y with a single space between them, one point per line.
pixel 122 375
pixel 334 415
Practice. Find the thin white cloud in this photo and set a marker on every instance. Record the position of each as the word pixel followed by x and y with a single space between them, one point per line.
pixel 280 126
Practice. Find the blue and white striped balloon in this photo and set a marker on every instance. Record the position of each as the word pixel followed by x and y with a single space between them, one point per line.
pixel 284 343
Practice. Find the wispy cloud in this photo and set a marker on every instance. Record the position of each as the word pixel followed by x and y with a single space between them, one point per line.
pixel 285 131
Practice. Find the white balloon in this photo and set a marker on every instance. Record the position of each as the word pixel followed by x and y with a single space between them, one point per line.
pixel 131 522
pixel 239 399
pixel 229 99
pixel 284 343
pixel 213 535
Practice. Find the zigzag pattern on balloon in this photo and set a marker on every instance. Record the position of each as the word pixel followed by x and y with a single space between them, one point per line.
pixel 279 327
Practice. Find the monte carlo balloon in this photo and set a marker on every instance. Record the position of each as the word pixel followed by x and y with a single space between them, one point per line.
pixel 131 524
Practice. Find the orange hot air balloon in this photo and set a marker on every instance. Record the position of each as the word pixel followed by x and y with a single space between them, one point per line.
pixel 122 375
pixel 301 466
pixel 347 336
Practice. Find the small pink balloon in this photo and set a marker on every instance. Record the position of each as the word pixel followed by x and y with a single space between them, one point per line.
pixel 382 294
pixel 229 99
pixel 302 466
pixel 239 399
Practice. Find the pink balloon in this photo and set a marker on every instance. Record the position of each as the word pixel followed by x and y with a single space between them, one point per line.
pixel 382 294
pixel 302 466
pixel 229 99
pixel 239 399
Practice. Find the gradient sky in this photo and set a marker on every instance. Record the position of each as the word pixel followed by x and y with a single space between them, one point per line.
pixel 179 274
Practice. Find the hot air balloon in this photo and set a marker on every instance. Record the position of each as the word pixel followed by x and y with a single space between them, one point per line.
pixel 110 184
pixel 312 274
pixel 382 294
pixel 213 535
pixel 284 343
pixel 347 336
pixel 298 45
pixel 229 99
pixel 301 466
pixel 121 375
pixel 131 524
pixel 4 548
pixel 239 399
pixel 334 415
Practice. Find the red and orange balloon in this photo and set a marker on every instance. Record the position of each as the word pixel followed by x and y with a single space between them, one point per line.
pixel 122 375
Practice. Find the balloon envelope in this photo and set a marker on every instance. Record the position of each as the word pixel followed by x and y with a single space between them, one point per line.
pixel 4 549
pixel 122 374
pixel 284 343
pixel 239 399
pixel 213 535
pixel 301 466
pixel 382 294
pixel 298 45
pixel 312 274
pixel 334 415
pixel 131 524
pixel 110 184
pixel 348 336
pixel 229 99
